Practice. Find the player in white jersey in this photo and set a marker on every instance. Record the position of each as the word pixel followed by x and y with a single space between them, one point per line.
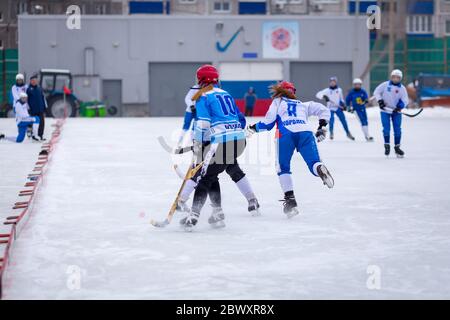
pixel 334 98
pixel 18 87
pixel 392 97
pixel 291 117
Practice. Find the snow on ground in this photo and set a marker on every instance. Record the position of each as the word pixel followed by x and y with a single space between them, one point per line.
pixel 90 237
pixel 16 161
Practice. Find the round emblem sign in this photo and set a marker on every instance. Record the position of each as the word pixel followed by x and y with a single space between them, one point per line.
pixel 281 39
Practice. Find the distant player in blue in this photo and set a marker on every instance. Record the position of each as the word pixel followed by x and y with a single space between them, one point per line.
pixel 219 139
pixel 237 175
pixel 295 134
pixel 334 98
pixel 392 97
pixel 356 100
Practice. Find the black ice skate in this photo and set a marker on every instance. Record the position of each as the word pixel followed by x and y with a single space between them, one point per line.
pixel 42 138
pixel 191 221
pixel 349 135
pixel 253 207
pixel 325 175
pixel 369 139
pixel 216 220
pixel 290 205
pixel 331 135
pixel 35 139
pixel 2 136
pixel 387 149
pixel 399 152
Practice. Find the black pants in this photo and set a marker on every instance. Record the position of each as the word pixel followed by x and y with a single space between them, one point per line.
pixel 41 116
pixel 225 159
pixel 248 112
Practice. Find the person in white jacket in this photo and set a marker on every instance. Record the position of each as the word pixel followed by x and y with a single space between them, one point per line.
pixel 392 97
pixel 18 87
pixel 334 98
pixel 23 118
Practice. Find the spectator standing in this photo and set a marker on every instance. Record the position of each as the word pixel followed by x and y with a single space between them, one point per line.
pixel 37 103
pixel 250 101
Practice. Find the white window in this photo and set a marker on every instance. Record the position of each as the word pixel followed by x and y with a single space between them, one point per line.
pixel 419 24
pixel 221 6
pixel 187 1
pixel 251 71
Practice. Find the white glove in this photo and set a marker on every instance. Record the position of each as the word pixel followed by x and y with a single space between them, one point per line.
pixel 250 130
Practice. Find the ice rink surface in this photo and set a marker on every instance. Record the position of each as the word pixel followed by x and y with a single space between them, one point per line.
pixel 90 237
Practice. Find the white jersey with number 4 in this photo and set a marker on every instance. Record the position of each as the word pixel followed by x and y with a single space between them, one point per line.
pixel 292 115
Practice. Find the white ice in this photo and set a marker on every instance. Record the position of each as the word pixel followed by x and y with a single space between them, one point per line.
pixel 90 237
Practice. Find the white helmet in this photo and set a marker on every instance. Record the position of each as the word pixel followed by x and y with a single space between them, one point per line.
pixel 23 95
pixel 397 73
pixel 357 81
pixel 20 76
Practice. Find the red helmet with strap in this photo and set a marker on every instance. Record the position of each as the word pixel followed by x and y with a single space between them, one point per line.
pixel 207 74
pixel 288 86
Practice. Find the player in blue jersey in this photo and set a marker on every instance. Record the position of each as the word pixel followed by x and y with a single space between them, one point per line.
pixel 237 175
pixel 392 97
pixel 295 134
pixel 356 100
pixel 219 138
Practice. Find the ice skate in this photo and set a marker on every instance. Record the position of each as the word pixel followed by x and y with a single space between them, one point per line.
pixel 399 152
pixel 387 149
pixel 35 139
pixel 253 207
pixel 2 136
pixel 191 221
pixel 325 175
pixel 369 139
pixel 216 220
pixel 349 135
pixel 331 135
pixel 182 206
pixel 290 205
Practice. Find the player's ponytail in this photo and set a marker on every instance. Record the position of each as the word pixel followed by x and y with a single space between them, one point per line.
pixel 281 89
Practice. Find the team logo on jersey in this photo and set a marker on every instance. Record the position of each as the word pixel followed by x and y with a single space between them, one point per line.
pixel 281 39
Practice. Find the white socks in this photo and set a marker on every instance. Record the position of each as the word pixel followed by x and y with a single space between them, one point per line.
pixel 245 188
pixel 187 190
pixel 35 129
pixel 286 182
pixel 365 129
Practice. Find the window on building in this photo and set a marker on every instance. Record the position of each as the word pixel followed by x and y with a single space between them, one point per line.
pixel 187 1
pixel 1 16
pixel 447 27
pixel 325 1
pixel 100 8
pixel 1 44
pixel 21 7
pixel 419 24
pixel 221 6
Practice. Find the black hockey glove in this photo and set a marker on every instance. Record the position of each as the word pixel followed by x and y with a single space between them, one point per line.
pixel 250 130
pixel 326 99
pixel 381 104
pixel 321 132
pixel 194 111
pixel 398 110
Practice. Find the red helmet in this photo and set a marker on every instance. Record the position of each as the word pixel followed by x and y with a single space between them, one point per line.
pixel 207 74
pixel 288 86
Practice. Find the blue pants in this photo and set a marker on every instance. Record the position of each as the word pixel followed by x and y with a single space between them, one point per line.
pixel 22 127
pixel 304 142
pixel 340 114
pixel 396 123
pixel 362 115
